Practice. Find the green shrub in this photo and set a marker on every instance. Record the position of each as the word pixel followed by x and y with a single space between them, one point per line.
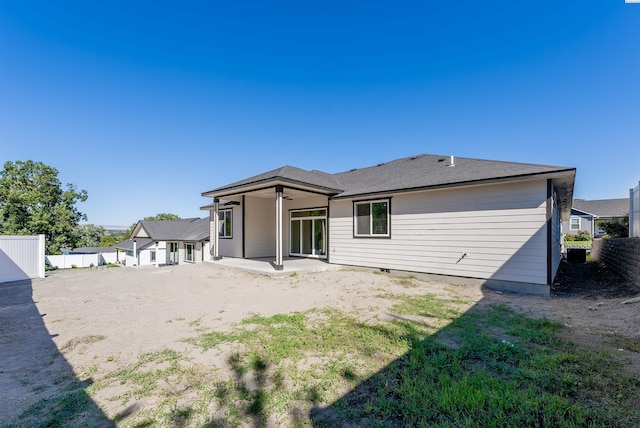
pixel 583 235
pixel 616 228
pixel 569 237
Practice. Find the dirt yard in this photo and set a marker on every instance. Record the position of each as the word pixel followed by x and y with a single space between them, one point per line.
pixel 82 324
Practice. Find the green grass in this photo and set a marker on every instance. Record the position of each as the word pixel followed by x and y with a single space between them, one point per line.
pixel 486 368
pixel 432 365
pixel 578 243
pixel 505 370
pixel 72 407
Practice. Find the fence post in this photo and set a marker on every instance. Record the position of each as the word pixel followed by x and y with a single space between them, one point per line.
pixel 631 213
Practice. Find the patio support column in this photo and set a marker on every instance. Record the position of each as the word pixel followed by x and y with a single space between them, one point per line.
pixel 216 228
pixel 279 192
pixel 157 254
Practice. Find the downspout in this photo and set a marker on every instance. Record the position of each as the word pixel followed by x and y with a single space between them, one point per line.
pixel 549 232
pixel 328 252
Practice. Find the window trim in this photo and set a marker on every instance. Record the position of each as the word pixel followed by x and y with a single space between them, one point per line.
pixel 571 223
pixel 370 202
pixel 152 256
pixel 227 212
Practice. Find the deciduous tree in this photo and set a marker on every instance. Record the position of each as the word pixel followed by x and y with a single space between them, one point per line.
pixel 33 201
pixel 162 217
pixel 88 235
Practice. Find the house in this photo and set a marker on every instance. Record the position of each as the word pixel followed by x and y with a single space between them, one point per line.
pixel 470 218
pixel 587 215
pixel 167 242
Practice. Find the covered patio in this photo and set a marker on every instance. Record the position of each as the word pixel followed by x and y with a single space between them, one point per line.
pixel 266 265
pixel 276 216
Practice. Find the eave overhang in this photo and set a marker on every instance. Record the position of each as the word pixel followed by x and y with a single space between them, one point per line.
pixel 268 183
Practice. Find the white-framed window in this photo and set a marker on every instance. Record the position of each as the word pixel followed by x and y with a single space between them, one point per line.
pixel 152 255
pixel 189 252
pixel 575 223
pixel 371 218
pixel 225 223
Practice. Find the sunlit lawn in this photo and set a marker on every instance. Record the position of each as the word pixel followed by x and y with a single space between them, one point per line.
pixel 489 367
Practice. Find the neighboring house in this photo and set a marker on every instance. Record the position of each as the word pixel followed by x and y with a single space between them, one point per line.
pixel 587 215
pixel 497 221
pixel 167 242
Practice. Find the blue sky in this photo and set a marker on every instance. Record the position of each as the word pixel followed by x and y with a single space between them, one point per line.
pixel 146 104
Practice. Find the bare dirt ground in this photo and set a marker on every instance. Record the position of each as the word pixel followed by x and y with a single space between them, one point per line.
pixel 83 324
pixel 593 302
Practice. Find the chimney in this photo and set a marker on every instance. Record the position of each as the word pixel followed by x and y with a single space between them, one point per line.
pixel 453 163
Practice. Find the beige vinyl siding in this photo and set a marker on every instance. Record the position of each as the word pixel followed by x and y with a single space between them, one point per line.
pixel 260 227
pixel 501 229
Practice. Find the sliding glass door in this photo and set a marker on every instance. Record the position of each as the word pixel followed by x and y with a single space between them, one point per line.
pixel 308 233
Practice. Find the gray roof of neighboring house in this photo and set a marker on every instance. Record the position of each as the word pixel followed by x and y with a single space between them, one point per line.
pixel 603 207
pixel 191 229
pixel 127 244
pixel 415 172
pixel 88 250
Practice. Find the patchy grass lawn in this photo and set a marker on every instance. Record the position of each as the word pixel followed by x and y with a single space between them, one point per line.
pixel 432 365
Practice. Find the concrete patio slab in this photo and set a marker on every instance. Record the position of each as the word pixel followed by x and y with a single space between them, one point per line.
pixel 265 266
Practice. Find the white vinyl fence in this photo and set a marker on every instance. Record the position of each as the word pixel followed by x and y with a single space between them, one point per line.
pixel 82 260
pixel 634 212
pixel 21 257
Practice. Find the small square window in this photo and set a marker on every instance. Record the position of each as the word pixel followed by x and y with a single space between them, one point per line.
pixel 575 223
pixel 371 218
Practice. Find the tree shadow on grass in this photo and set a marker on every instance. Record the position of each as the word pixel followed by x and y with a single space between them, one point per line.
pixel 250 394
pixel 37 385
pixel 490 366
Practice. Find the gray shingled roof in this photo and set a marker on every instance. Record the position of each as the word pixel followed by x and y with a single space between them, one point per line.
pixel 127 244
pixel 416 172
pixel 193 229
pixel 603 207
pixel 290 174
pixel 425 171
